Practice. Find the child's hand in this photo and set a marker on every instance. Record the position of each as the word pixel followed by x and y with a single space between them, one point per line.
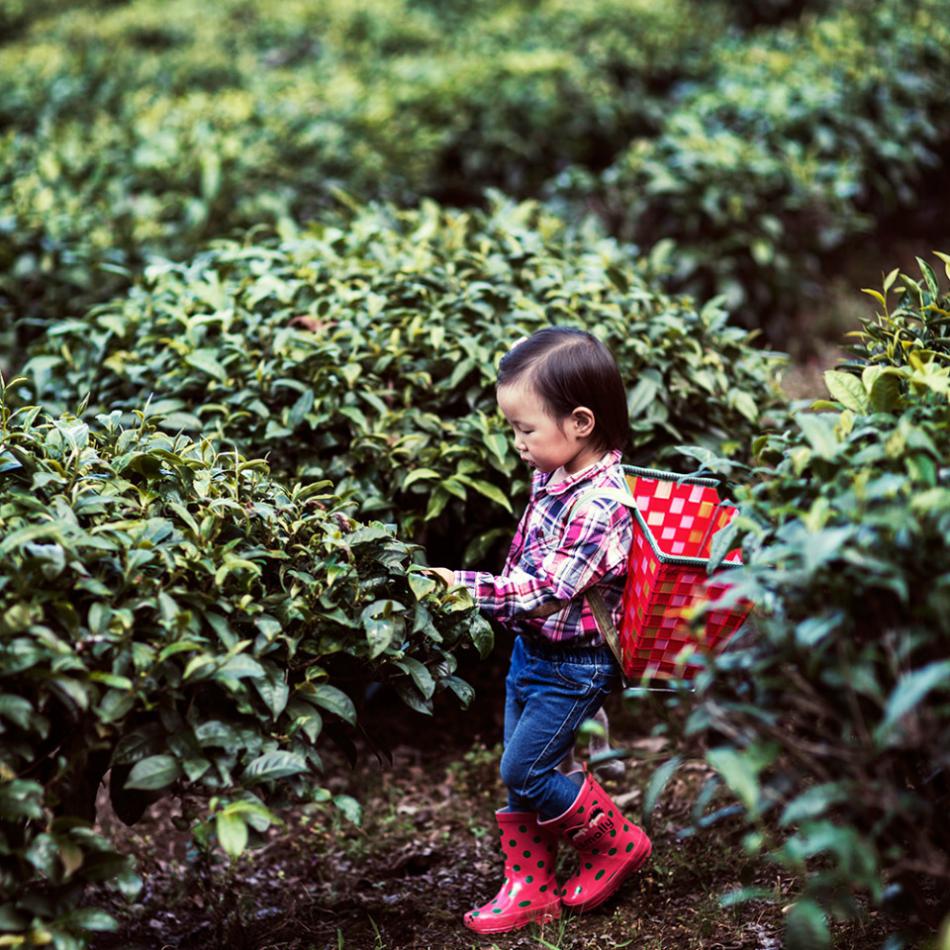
pixel 443 574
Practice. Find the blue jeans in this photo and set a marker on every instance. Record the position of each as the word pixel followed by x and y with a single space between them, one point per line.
pixel 549 692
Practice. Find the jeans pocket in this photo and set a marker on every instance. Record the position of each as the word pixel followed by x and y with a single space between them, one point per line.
pixel 584 678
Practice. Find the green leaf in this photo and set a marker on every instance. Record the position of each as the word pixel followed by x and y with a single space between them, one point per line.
pixel 848 390
pixel 738 775
pixel 885 393
pixel 812 630
pixel 876 294
pixel 814 802
pixel 497 445
pixel 16 709
pixel 115 705
pixel 908 693
pixel 643 395
pixel 129 884
pixel 658 781
pixel 490 491
pixel 410 696
pixel 746 405
pixel 206 361
pixel 241 666
pixel 29 533
pixel 419 674
pixel 806 927
pixel 72 691
pixel 743 895
pixel 43 854
pixel 381 624
pixel 420 474
pixel 273 765
pixel 350 807
pixel 214 733
pixel 437 502
pixel 820 433
pixel 820 547
pixel 232 833
pixel 21 799
pixel 91 918
pixel 462 690
pixel 178 421
pixel 110 679
pixel 421 585
pixel 929 277
pixel 480 631
pixel 155 772
pixel 180 646
pixel 369 534
pixel 274 691
pixel 721 543
pixel 336 701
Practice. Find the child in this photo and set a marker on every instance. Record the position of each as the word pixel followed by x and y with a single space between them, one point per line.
pixel 562 394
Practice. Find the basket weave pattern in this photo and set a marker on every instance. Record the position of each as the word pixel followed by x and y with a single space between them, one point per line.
pixel 674 521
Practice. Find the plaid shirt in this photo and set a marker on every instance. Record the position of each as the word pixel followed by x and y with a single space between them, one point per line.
pixel 557 554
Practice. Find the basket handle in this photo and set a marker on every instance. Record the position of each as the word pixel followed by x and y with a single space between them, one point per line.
pixel 709 527
pixel 605 625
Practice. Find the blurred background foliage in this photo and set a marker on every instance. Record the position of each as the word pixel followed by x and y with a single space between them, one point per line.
pixel 760 137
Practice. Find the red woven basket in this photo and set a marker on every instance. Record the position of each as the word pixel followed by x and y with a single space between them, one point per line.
pixel 675 518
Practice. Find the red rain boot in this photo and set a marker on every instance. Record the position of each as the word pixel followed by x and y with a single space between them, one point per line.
pixel 610 847
pixel 529 892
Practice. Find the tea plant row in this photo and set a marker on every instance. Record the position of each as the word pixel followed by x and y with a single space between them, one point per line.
pixel 130 131
pixel 829 722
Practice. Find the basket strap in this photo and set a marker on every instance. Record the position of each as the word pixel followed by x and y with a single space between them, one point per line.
pixel 614 494
pixel 606 626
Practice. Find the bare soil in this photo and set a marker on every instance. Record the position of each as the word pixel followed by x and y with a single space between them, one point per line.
pixel 425 852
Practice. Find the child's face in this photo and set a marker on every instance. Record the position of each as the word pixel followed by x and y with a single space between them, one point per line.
pixel 541 440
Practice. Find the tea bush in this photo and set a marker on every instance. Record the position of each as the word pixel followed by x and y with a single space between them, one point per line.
pixel 806 135
pixel 831 725
pixel 147 129
pixel 365 351
pixel 17 15
pixel 759 13
pixel 180 617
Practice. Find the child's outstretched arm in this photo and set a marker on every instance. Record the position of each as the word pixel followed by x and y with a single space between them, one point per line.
pixel 593 544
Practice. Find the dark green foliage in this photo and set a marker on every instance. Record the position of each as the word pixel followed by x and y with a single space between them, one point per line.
pixel 806 135
pixel 757 13
pixel 149 128
pixel 179 616
pixel 833 717
pixel 916 330
pixel 365 352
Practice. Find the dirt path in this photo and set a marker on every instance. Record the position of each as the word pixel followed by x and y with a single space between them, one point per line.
pixel 426 851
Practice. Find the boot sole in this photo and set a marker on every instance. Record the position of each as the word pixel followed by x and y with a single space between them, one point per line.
pixel 613 885
pixel 539 917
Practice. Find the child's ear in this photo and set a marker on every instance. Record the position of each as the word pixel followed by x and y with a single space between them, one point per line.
pixel 583 421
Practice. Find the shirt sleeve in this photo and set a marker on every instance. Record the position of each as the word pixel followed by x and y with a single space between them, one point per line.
pixel 590 547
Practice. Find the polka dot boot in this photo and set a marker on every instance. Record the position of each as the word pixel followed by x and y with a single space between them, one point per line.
pixel 529 892
pixel 609 847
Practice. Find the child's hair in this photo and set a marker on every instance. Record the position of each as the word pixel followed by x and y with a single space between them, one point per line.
pixel 568 368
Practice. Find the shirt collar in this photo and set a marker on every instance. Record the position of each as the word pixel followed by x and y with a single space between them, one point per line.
pixel 565 485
